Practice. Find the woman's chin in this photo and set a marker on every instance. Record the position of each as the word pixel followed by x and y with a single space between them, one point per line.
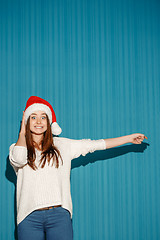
pixel 38 132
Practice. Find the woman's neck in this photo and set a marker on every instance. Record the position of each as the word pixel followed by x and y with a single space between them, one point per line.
pixel 37 140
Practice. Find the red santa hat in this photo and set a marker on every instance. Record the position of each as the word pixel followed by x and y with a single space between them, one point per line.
pixel 38 104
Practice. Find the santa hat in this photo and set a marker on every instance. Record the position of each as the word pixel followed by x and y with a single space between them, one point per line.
pixel 38 104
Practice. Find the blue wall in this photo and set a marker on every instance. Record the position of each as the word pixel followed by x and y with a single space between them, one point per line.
pixel 97 62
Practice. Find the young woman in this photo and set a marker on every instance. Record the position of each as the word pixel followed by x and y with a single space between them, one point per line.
pixel 42 164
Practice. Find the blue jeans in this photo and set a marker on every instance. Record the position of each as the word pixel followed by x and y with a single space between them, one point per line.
pixel 52 224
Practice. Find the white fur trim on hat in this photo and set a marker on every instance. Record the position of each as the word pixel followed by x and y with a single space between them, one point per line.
pixel 38 107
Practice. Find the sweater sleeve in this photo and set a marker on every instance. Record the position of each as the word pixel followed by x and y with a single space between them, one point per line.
pixel 84 146
pixel 17 155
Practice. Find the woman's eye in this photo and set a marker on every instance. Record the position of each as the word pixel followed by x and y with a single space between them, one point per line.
pixel 43 117
pixel 33 117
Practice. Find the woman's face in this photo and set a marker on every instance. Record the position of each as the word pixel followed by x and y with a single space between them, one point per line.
pixel 38 122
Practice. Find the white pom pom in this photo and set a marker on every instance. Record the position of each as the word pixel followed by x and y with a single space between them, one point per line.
pixel 56 130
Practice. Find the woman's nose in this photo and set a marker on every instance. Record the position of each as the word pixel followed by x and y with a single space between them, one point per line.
pixel 38 120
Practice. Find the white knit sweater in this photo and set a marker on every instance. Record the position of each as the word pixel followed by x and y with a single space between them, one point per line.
pixel 47 186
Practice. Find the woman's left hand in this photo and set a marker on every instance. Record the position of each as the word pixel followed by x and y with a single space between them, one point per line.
pixel 137 138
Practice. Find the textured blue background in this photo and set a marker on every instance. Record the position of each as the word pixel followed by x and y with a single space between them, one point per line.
pixel 97 62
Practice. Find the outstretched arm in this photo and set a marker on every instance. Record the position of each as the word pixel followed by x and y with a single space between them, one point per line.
pixel 135 138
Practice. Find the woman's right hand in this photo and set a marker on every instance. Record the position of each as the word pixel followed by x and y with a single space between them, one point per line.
pixel 22 135
pixel 23 125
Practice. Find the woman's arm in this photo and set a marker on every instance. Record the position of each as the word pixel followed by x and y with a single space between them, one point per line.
pixel 18 151
pixel 75 148
pixel 22 135
pixel 135 138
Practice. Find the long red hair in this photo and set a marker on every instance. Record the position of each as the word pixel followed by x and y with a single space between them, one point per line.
pixel 49 151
